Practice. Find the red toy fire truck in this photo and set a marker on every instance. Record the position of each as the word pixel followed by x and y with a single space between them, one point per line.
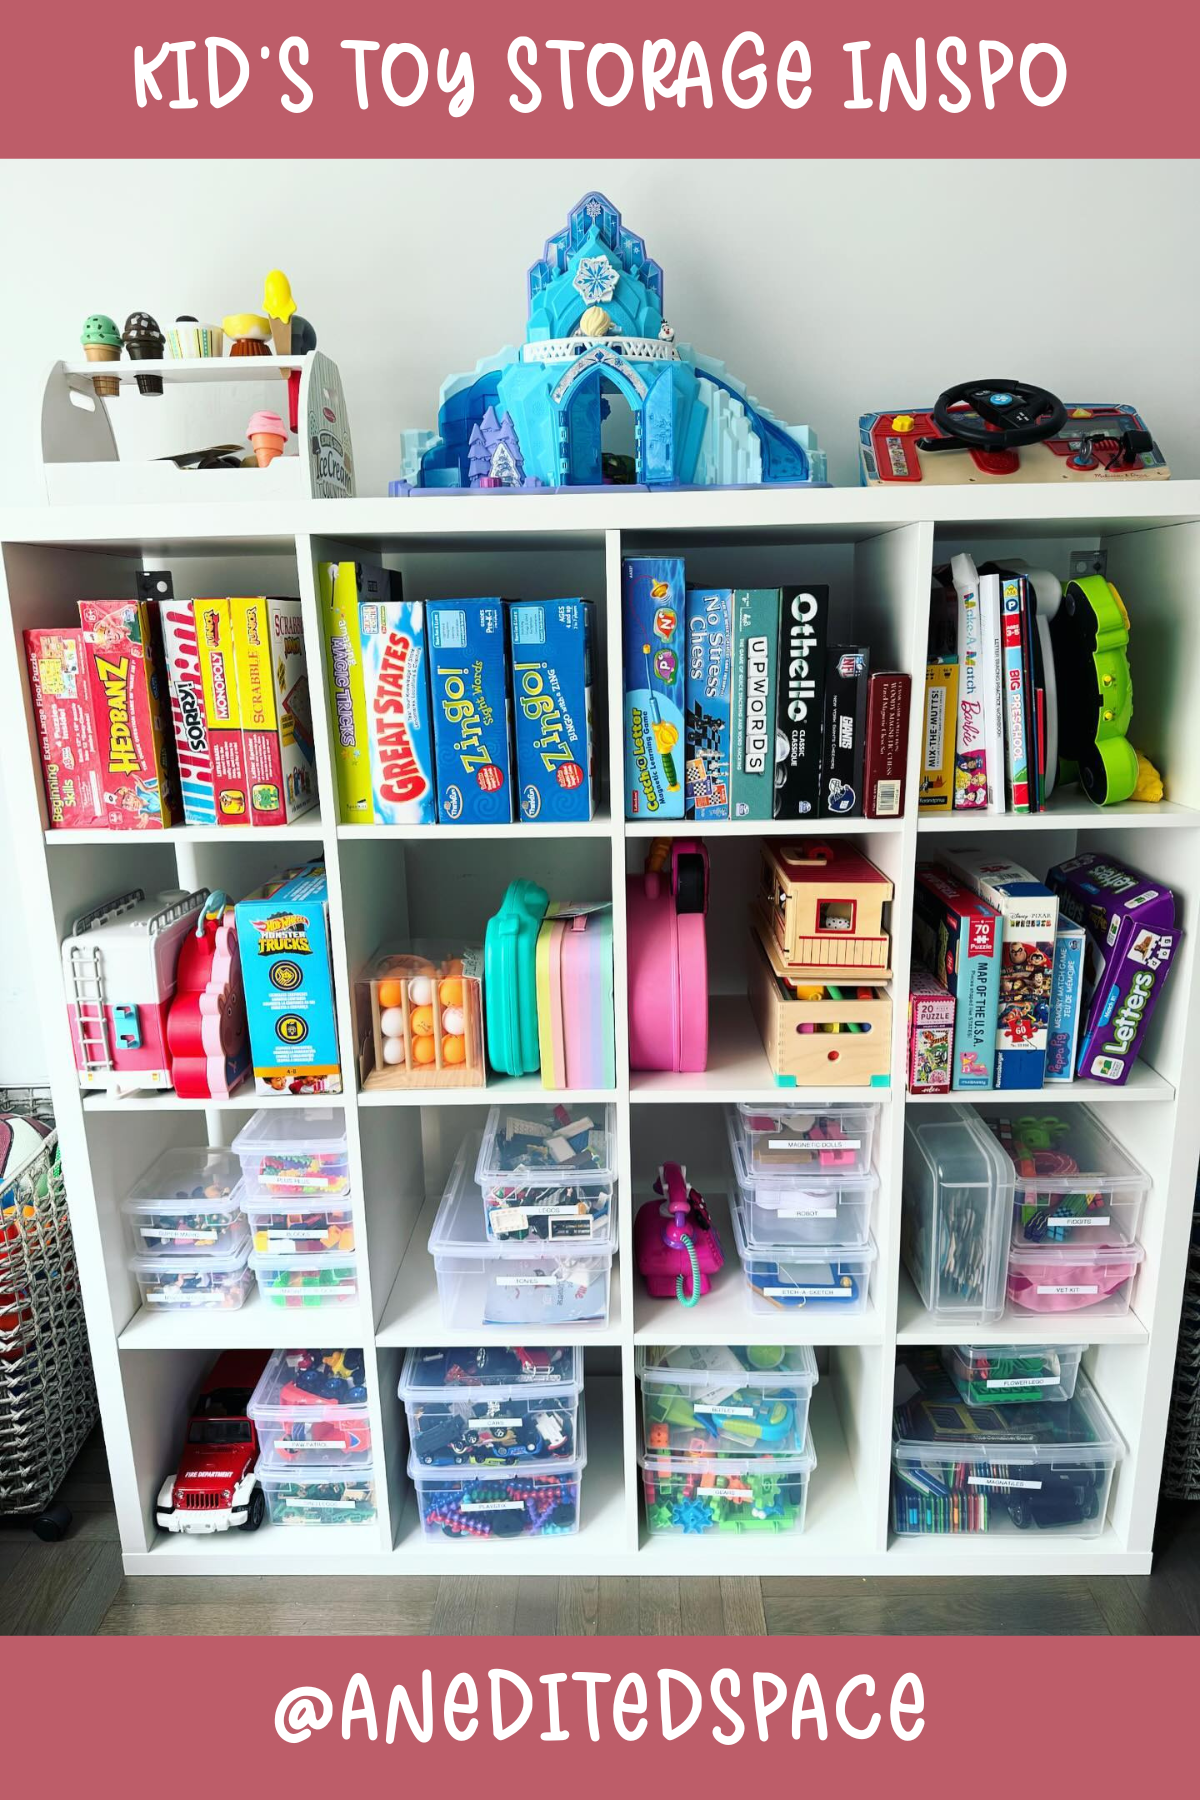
pixel 215 1487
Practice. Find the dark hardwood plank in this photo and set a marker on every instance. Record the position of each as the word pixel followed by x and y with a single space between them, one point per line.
pixel 537 1606
pixel 496 1607
pixel 658 1606
pixel 60 1590
pixel 701 1613
pixel 455 1610
pixel 579 1606
pixel 952 1605
pixel 742 1604
pixel 247 1605
pixel 842 1606
pixel 1118 1605
pixel 619 1606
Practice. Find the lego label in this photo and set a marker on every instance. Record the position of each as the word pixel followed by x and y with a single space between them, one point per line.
pixel 552 708
pixel 708 691
pixel 469 681
pixel 652 613
pixel 395 674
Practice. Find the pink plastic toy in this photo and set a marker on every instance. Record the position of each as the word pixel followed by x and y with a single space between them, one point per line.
pixel 668 958
pixel 677 1250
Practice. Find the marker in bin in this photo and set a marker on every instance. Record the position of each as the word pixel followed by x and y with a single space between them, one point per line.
pixel 832 993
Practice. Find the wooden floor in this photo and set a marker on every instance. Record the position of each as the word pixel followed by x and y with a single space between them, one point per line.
pixel 78 1587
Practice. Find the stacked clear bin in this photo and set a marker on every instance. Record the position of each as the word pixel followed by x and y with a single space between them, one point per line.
pixel 1040 1208
pixel 1077 1210
pixel 801 1209
pixel 485 1279
pixel 190 1239
pixel 962 1469
pixel 316 1462
pixel 548 1173
pixel 296 1195
pixel 1012 1374
pixel 726 1440
pixel 496 1439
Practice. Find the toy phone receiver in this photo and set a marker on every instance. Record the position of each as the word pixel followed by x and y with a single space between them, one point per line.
pixel 682 1210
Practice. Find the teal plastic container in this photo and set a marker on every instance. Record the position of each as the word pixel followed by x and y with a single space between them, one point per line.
pixel 510 979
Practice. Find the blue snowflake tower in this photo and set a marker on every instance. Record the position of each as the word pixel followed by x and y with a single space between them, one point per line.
pixel 600 392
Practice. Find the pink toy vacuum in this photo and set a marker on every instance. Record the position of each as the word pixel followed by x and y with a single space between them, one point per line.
pixel 677 1250
pixel 666 907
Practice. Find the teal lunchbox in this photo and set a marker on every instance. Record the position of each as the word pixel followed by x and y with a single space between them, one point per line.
pixel 510 979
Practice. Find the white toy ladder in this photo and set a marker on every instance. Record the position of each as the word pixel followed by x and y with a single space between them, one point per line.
pixel 91 1026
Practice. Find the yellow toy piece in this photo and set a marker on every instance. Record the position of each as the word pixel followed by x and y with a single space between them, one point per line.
pixel 247 325
pixel 1149 784
pixel 277 296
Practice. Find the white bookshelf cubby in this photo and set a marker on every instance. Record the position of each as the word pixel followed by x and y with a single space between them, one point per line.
pixel 876 549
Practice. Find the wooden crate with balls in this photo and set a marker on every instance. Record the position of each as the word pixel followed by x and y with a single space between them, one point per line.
pixel 420 1019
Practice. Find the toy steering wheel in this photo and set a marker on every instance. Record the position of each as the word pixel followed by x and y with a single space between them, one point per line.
pixel 1010 413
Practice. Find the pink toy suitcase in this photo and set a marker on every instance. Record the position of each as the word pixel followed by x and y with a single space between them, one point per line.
pixel 576 1031
pixel 666 908
pixel 678 1252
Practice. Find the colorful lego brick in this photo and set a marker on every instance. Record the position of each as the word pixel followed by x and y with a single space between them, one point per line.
pixel 468 666
pixel 131 711
pixel 1132 943
pixel 709 692
pixel 846 670
pixel 551 645
pixel 800 701
pixel 222 712
pixel 755 653
pixel 181 654
pixel 936 789
pixel 395 684
pixel 343 587
pixel 957 937
pixel 1066 1000
pixel 652 619
pixel 931 1011
pixel 276 709
pixel 1029 911
pixel 287 971
pixel 62 708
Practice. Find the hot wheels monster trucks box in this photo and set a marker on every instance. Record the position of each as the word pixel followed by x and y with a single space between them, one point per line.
pixel 1132 942
pixel 652 619
pixel 287 972
pixel 552 708
pixel 472 727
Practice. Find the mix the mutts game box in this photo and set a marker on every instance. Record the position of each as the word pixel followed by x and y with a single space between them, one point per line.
pixel 472 742
pixel 283 946
pixel 551 644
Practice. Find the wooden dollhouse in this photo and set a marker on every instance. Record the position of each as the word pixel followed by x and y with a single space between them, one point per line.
pixel 823 909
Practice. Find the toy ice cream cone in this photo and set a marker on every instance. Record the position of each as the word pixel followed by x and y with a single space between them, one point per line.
pixel 279 307
pixel 249 334
pixel 188 338
pixel 267 434
pixel 144 343
pixel 102 344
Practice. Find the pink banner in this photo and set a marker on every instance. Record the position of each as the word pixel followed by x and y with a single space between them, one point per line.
pixel 932 78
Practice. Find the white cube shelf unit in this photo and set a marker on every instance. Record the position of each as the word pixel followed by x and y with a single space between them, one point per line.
pixel 876 549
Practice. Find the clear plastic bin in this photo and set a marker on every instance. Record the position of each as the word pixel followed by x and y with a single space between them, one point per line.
pixel 747 1497
pixel 320 1494
pixel 955 1220
pixel 543 1177
pixel 710 1401
pixel 218 1282
pixel 799 1207
pixel 492 1407
pixel 501 1503
pixel 306 1280
pixel 318 1228
pixel 310 1406
pixel 1012 1374
pixel 299 1155
pixel 831 1140
pixel 959 1469
pixel 1074 1184
pixel 484 1282
pixel 830 1279
pixel 1077 1278
pixel 187 1203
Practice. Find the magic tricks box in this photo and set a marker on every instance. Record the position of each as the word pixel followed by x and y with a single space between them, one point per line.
pixel 468 667
pixel 551 644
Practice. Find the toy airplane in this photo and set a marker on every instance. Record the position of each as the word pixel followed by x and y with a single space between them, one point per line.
pixel 1006 430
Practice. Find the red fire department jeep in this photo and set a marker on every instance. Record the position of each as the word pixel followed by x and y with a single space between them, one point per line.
pixel 215 1487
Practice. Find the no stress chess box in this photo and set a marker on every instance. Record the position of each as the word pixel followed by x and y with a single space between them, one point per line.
pixel 708 695
pixel 468 668
pixel 1132 944
pixel 551 646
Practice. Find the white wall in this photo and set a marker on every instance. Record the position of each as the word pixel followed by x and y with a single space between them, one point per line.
pixel 830 288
